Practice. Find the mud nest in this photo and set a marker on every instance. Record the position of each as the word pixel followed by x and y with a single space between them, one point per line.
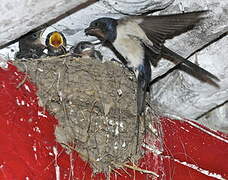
pixel 95 104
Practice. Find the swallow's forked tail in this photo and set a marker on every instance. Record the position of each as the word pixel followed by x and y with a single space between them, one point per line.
pixel 193 68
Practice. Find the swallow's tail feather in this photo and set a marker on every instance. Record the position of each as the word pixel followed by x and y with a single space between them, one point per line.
pixel 198 71
pixel 141 93
pixel 144 78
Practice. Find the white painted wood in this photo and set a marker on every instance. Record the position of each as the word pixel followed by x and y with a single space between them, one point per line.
pixel 20 16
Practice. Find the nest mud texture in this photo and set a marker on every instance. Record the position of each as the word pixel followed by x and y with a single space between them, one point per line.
pixel 95 104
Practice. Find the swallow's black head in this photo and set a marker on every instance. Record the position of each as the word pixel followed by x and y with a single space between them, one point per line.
pixel 32 35
pixel 84 45
pixel 81 47
pixel 35 35
pixel 103 28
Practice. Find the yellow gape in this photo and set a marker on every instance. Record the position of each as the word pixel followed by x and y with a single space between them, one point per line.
pixel 56 40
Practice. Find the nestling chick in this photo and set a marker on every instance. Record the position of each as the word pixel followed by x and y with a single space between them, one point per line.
pixel 56 44
pixel 30 46
pixel 85 49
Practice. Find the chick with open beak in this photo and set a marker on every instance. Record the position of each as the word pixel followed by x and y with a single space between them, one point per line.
pixel 56 44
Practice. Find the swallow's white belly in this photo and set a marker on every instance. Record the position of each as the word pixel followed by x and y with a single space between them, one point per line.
pixel 130 48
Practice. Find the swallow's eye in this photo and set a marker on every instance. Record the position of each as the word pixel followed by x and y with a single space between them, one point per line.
pixel 82 47
pixel 34 35
pixel 95 24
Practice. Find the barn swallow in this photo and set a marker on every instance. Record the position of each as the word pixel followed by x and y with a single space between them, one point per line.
pixel 138 41
pixel 30 45
pixel 85 49
pixel 56 44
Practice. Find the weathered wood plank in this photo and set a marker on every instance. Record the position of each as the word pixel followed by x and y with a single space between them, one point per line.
pixel 20 16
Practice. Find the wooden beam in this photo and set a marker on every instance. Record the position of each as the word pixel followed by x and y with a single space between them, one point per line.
pixel 20 17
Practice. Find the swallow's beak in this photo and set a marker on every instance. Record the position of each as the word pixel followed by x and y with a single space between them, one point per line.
pixel 56 40
pixel 87 31
pixel 92 31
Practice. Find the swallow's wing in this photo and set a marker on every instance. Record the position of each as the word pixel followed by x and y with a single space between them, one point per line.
pixel 162 27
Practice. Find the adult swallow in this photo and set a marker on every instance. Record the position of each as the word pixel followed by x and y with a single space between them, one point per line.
pixel 56 44
pixel 138 41
pixel 30 45
pixel 85 49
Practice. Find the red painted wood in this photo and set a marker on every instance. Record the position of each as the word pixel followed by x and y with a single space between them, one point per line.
pixel 27 143
pixel 196 145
